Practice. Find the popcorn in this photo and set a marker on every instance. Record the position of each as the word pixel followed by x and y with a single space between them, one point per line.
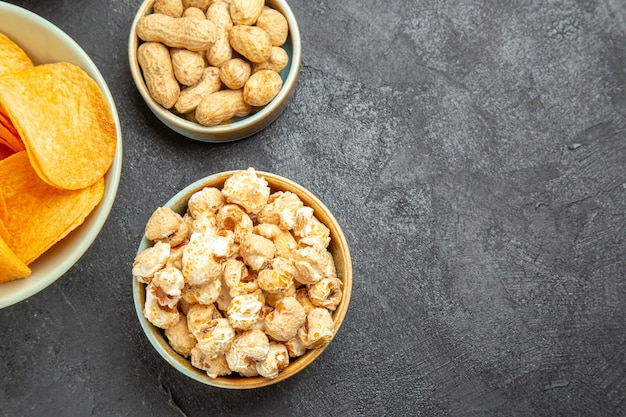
pixel 214 367
pixel 318 330
pixel 247 349
pixel 149 261
pixel 281 210
pixel 283 323
pixel 207 200
pixel 276 360
pixel 245 310
pixel 200 265
pixel 248 190
pixel 180 338
pixel 238 279
pixel 257 251
pixel 242 281
pixel 326 293
pixel 167 285
pixel 165 225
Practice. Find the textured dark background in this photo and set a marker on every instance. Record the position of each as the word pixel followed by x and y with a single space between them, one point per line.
pixel 474 153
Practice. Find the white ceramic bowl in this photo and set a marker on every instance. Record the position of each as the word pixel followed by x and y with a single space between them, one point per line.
pixel 241 127
pixel 341 255
pixel 46 43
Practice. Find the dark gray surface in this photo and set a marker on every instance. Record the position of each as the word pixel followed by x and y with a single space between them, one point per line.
pixel 474 153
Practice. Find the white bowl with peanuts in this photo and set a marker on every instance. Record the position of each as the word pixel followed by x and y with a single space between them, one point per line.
pixel 242 279
pixel 215 70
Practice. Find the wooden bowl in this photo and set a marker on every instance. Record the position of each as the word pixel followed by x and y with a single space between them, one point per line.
pixel 338 247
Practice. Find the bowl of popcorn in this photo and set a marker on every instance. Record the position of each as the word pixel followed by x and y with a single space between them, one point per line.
pixel 215 70
pixel 242 279
pixel 60 153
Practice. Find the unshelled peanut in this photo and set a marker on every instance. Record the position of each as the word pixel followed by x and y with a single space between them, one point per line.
pixel 277 61
pixel 200 4
pixel 275 24
pixel 183 32
pixel 252 42
pixel 194 12
pixel 235 73
pixel 246 12
pixel 173 8
pixel 191 96
pixel 187 65
pixel 155 63
pixel 221 51
pixel 262 87
pixel 221 107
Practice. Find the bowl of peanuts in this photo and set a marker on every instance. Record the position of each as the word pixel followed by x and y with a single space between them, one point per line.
pixel 215 70
pixel 242 279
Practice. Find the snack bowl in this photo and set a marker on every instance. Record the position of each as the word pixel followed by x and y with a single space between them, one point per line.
pixel 46 43
pixel 238 127
pixel 338 247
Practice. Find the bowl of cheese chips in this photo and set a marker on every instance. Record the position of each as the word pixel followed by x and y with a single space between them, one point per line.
pixel 60 153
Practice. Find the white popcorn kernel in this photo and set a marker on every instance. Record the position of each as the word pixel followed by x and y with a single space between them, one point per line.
pixel 295 347
pixel 200 265
pixel 180 338
pixel 238 279
pixel 215 337
pixel 204 222
pixel 165 225
pixel 158 315
pixel 244 310
pixel 248 348
pixel 318 330
pixel 281 210
pixel 283 322
pixel 276 360
pixel 312 264
pixel 233 218
pixel 149 261
pixel 166 286
pixel 284 241
pixel 257 251
pixel 326 293
pixel 203 294
pixel 308 226
pixel 279 277
pixel 248 190
pixel 209 200
pixel 213 367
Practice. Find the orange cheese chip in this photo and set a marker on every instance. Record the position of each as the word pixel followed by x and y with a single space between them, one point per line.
pixel 10 266
pixel 12 57
pixel 8 135
pixel 39 215
pixel 63 119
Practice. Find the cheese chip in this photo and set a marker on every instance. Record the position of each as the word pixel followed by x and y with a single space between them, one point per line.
pixel 39 215
pixel 12 57
pixel 63 119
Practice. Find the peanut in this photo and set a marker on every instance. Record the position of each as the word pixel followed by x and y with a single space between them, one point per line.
pixel 200 4
pixel 246 12
pixel 221 107
pixel 235 73
pixel 155 63
pixel 277 61
pixel 194 12
pixel 188 65
pixel 183 32
pixel 262 87
pixel 221 51
pixel 275 24
pixel 252 42
pixel 191 96
pixel 173 8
